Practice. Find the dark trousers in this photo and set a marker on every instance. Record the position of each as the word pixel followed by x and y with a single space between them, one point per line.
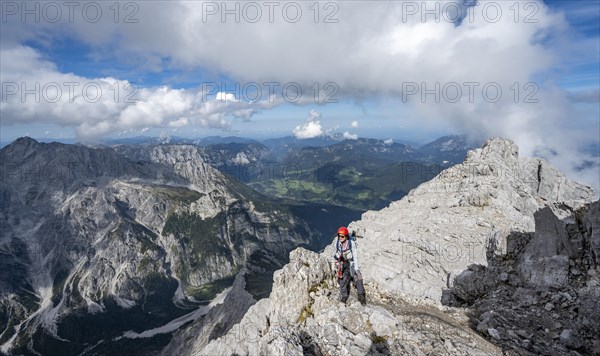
pixel 347 277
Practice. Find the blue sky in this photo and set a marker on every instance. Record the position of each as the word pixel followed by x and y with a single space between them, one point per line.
pixel 373 51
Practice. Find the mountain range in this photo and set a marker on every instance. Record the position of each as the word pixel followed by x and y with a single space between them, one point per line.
pixel 156 248
pixel 99 242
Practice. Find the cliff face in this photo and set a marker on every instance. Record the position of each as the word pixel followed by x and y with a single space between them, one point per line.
pixel 416 246
pixel 411 252
pixel 90 236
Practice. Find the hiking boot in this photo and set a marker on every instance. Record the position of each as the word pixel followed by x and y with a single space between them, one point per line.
pixel 362 299
pixel 343 299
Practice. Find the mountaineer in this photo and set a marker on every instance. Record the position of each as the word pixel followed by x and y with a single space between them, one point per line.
pixel 346 266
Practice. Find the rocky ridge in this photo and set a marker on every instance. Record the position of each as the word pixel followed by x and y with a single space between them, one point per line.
pixel 411 252
pixel 416 246
pixel 303 316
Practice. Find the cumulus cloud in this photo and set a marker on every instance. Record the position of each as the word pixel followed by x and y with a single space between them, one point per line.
pixel 35 91
pixel 313 115
pixel 354 124
pixel 311 128
pixel 221 96
pixel 348 136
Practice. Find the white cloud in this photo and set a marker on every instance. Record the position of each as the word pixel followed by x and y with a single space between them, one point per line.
pixel 179 123
pixel 389 141
pixel 96 107
pixel 348 136
pixel 311 128
pixel 313 115
pixel 354 124
pixel 221 96
pixel 308 130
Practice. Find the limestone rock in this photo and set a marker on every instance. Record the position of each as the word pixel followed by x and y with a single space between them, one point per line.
pixel 414 251
pixel 291 322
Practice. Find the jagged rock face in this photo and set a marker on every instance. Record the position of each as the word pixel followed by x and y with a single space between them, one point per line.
pixel 303 316
pixel 542 296
pixel 416 246
pixel 91 231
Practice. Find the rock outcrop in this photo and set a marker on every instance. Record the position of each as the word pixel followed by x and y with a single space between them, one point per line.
pixel 303 316
pixel 542 296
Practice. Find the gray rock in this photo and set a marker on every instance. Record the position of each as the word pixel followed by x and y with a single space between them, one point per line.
pixel 472 283
pixel 522 333
pixel 592 219
pixel 416 238
pixel 546 258
pixel 570 340
pixel 494 333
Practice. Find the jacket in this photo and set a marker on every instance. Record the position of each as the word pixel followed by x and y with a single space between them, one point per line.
pixel 350 254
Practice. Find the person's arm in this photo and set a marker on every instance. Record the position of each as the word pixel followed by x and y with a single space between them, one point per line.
pixel 334 259
pixel 355 256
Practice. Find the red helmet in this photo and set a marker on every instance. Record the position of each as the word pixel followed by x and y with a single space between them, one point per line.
pixel 343 231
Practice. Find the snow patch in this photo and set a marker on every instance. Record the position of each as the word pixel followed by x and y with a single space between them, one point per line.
pixel 125 303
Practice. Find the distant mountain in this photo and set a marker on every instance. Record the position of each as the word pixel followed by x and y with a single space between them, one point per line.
pixel 448 149
pixel 362 174
pixel 280 147
pixel 176 140
pixel 69 140
pixel 235 154
pixel 363 151
pixel 146 140
pixel 213 140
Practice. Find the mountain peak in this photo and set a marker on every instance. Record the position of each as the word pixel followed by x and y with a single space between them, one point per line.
pixel 21 147
pixel 495 148
pixel 24 141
